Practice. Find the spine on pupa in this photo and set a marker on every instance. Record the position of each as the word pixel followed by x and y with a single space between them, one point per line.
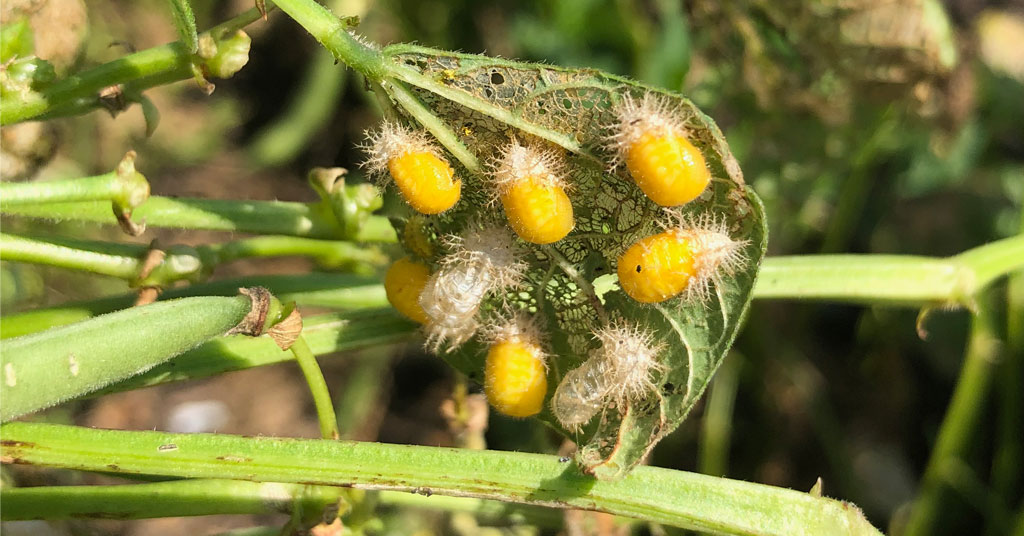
pixel 482 261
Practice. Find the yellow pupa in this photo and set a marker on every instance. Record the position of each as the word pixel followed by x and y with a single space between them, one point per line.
pixel 684 259
pixel 515 372
pixel 403 285
pixel 528 181
pixel 423 176
pixel 651 141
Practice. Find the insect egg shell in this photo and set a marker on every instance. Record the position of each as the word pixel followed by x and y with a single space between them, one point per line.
pixel 581 394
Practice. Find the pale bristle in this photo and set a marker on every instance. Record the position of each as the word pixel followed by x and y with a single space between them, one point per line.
pixel 393 140
pixel 632 360
pixel 715 252
pixel 635 118
pixel 516 161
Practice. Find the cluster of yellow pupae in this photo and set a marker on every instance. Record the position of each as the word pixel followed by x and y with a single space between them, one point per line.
pixel 530 182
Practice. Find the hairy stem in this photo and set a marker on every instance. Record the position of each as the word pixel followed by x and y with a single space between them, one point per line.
pixel 317 387
pixel 890 279
pixel 124 186
pixel 333 33
pixel 660 495
pixel 79 93
pixel 126 261
pixel 46 368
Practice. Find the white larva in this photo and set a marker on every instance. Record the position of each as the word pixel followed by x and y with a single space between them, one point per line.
pixel 618 372
pixel 481 262
pixel 581 394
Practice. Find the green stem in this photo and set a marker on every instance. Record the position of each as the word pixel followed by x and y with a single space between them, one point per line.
pixel 56 365
pixel 654 494
pixel 483 510
pixel 327 253
pixel 890 279
pixel 1008 454
pixel 124 186
pixel 139 71
pixel 163 499
pixel 956 432
pixel 341 291
pixel 324 334
pixel 716 433
pixel 123 261
pixel 317 387
pixel 311 220
pixel 333 33
pixel 407 100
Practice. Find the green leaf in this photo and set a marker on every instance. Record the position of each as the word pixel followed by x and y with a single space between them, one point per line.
pixel 185 21
pixel 474 105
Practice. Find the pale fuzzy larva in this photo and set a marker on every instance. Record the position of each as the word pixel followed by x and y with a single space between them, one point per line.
pixel 581 394
pixel 618 372
pixel 684 259
pixel 515 370
pixel 529 181
pixel 483 261
pixel 417 167
pixel 631 359
pixel 650 138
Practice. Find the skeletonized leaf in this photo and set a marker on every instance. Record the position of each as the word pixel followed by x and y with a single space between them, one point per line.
pixel 474 105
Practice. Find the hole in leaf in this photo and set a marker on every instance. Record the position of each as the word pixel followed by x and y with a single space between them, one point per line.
pixel 497 78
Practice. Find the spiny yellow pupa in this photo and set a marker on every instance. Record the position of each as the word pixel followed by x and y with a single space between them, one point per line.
pixel 684 259
pixel 650 138
pixel 419 170
pixel 403 285
pixel 528 180
pixel 515 372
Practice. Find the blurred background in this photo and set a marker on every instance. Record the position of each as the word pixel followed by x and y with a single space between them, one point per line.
pixel 866 126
